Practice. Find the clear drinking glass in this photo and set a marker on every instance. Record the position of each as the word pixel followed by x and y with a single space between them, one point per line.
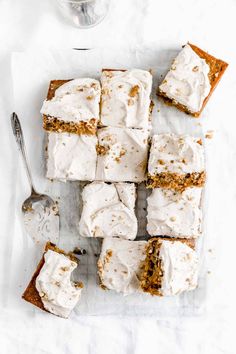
pixel 84 13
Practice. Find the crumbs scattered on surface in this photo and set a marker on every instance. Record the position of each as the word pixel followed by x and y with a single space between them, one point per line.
pixel 199 141
pixel 79 251
pixel 209 134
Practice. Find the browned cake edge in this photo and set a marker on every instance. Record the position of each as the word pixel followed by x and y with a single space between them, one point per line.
pixel 100 267
pixel 217 69
pixel 53 124
pixel 31 293
pixel 176 181
pixel 151 271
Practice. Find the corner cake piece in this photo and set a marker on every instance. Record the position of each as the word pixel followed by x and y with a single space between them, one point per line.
pixel 50 288
pixel 72 106
pixel 175 214
pixel 71 157
pixel 170 267
pixel 125 100
pixel 176 162
pixel 122 154
pixel 119 265
pixel 108 210
pixel 191 80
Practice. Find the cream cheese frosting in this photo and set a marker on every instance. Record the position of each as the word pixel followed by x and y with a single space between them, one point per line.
pixel 75 101
pixel 123 155
pixel 176 214
pixel 175 154
pixel 71 157
pixel 58 294
pixel 126 98
pixel 119 265
pixel 187 82
pixel 108 210
pixel 179 263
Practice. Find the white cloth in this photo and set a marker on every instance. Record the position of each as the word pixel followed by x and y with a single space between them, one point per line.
pixel 164 25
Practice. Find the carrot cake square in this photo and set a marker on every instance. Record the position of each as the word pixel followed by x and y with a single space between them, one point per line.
pixel 72 106
pixel 122 154
pixel 119 265
pixel 71 157
pixel 176 162
pixel 125 98
pixel 108 210
pixel 50 288
pixel 173 213
pixel 170 267
pixel 191 80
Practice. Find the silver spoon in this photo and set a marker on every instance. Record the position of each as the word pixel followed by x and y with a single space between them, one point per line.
pixel 40 212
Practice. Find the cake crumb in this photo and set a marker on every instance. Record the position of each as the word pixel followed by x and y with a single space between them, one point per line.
pixel 134 91
pixel 209 134
pixel 199 141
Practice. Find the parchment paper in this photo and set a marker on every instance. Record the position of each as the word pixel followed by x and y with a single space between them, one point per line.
pixel 31 73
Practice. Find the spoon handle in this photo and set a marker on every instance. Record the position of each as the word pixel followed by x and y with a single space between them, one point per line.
pixel 17 131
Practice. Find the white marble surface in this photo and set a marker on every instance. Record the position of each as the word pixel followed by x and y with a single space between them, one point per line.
pixel 166 25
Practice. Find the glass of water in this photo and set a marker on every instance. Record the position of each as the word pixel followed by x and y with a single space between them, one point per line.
pixel 84 13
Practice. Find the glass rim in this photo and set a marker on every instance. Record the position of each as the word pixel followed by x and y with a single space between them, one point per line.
pixel 75 2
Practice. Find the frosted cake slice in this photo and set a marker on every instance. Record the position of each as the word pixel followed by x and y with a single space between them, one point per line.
pixel 120 264
pixel 71 157
pixel 122 154
pixel 176 162
pixel 108 210
pixel 170 267
pixel 50 288
pixel 173 213
pixel 191 80
pixel 72 106
pixel 125 100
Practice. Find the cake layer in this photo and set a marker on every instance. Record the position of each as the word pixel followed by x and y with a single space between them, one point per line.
pixel 192 78
pixel 126 98
pixel 120 263
pixel 72 106
pixel 108 210
pixel 175 214
pixel 170 267
pixel 176 162
pixel 122 154
pixel 50 287
pixel 71 157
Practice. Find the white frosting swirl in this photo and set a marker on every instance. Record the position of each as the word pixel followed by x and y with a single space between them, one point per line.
pixel 119 264
pixel 187 82
pixel 71 157
pixel 175 214
pixel 121 108
pixel 58 294
pixel 125 155
pixel 180 267
pixel 175 154
pixel 75 101
pixel 108 210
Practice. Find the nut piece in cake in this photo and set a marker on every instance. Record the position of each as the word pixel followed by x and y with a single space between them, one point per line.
pixel 192 78
pixel 72 106
pixel 71 157
pixel 122 154
pixel 170 267
pixel 108 210
pixel 125 98
pixel 50 288
pixel 173 213
pixel 120 264
pixel 176 162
